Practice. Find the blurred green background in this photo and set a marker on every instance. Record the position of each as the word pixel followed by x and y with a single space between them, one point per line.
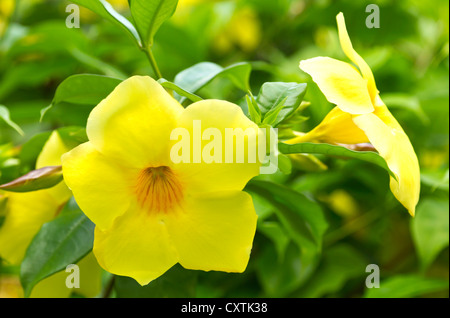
pixel 409 55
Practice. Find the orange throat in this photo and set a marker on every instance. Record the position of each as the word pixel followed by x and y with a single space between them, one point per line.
pixel 158 189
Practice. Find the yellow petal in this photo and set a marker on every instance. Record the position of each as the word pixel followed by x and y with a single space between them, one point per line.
pixel 223 118
pixel 336 128
pixel 134 122
pixel 388 137
pixel 101 187
pixel 26 213
pixel 50 155
pixel 215 232
pixel 347 47
pixel 137 245
pixel 340 83
pixel 53 286
pixel 90 277
pixel 52 151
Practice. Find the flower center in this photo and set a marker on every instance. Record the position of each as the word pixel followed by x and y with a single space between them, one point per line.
pixel 158 189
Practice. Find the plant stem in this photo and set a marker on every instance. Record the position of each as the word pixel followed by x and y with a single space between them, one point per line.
pixel 148 52
pixel 109 287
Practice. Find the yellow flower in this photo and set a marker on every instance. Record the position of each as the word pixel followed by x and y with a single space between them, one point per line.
pixel 150 212
pixel 361 116
pixel 26 212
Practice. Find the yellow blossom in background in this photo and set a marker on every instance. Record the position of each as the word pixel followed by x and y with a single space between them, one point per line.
pixel 150 212
pixel 6 10
pixel 361 116
pixel 239 28
pixel 26 212
pixel 242 31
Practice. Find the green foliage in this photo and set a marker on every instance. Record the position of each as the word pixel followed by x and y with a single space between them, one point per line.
pixel 407 286
pixel 430 229
pixel 60 242
pixel 176 283
pixel 4 114
pixel 325 215
pixel 280 100
pixel 338 151
pixel 199 75
pixel 149 15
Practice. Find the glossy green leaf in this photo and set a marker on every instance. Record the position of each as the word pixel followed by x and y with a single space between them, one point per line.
pixel 275 232
pixel 272 94
pixel 177 282
pixel 430 229
pixel 253 109
pixel 60 242
pixel 337 151
pixel 4 114
pixel 89 89
pixel 197 76
pixel 339 264
pixel 149 15
pixel 302 218
pixel 39 179
pixel 106 10
pixel 407 286
pixel 281 276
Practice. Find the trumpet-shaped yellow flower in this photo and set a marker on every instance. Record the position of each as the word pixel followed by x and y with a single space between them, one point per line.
pixel 27 212
pixel 361 116
pixel 151 213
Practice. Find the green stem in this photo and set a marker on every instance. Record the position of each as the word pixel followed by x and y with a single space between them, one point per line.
pixel 151 59
pixel 109 287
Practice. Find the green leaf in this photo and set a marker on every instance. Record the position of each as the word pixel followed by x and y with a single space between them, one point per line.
pixel 407 286
pixel 339 264
pixel 338 151
pixel 275 232
pixel 270 118
pixel 87 89
pixel 177 282
pixel 302 219
pixel 280 277
pixel 95 63
pixel 430 229
pixel 60 242
pixel 411 103
pixel 149 15
pixel 273 93
pixel 284 164
pixel 4 114
pixel 197 76
pixel 39 179
pixel 253 109
pixel 106 10
pixel 192 97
